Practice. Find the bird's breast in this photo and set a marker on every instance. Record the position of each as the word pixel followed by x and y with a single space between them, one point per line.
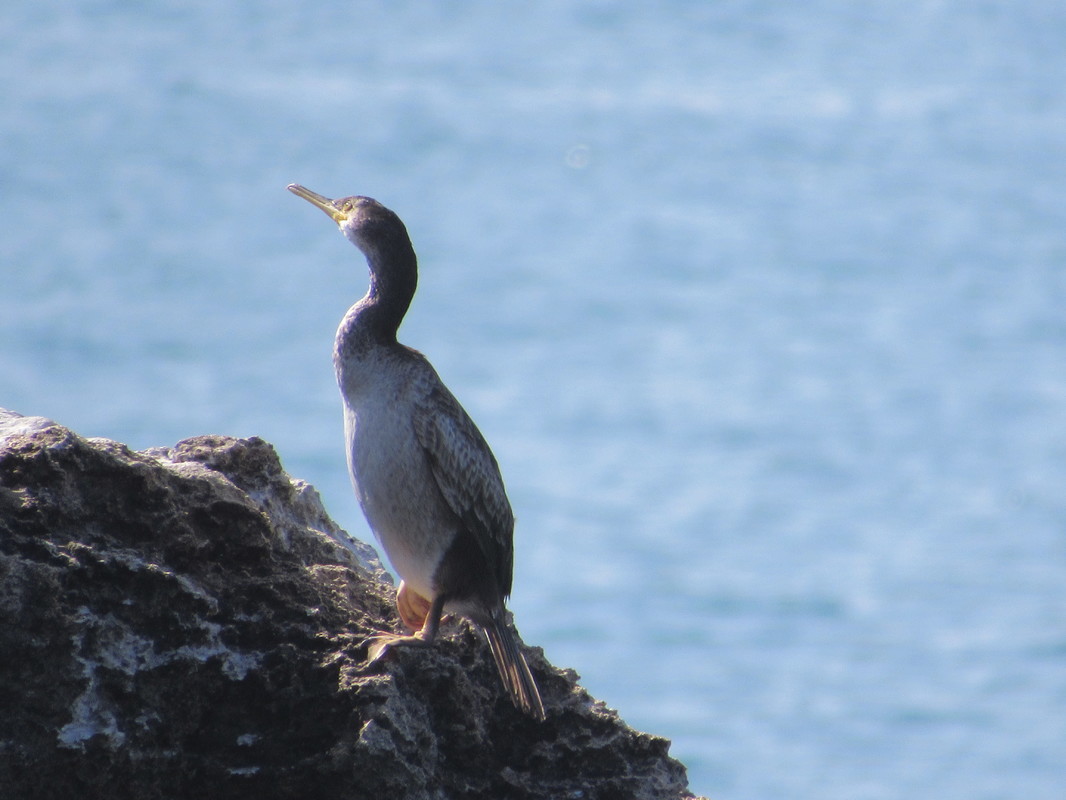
pixel 392 476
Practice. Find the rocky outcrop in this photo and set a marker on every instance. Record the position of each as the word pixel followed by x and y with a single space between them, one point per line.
pixel 188 622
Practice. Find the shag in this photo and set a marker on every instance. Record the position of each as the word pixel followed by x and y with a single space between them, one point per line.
pixel 424 475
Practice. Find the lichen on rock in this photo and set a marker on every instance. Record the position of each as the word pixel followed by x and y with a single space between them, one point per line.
pixel 189 622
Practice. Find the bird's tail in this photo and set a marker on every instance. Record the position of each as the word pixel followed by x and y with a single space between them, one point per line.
pixel 514 671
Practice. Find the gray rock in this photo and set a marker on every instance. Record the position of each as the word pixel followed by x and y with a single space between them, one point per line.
pixel 189 622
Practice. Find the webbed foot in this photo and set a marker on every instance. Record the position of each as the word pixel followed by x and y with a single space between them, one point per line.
pixel 412 606
pixel 424 637
pixel 380 645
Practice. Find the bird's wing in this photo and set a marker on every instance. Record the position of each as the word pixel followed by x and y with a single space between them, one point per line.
pixel 468 476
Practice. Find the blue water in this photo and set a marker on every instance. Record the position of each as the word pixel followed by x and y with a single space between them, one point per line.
pixel 762 306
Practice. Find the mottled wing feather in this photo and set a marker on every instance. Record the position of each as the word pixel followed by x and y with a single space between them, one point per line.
pixel 468 477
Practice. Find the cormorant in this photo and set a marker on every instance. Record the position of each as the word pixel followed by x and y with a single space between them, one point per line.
pixel 424 475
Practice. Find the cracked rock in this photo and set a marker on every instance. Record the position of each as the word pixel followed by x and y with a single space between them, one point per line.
pixel 188 622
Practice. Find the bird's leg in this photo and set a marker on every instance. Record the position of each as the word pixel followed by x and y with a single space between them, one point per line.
pixel 422 638
pixel 412 606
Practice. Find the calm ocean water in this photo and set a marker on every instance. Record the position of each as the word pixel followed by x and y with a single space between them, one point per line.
pixel 762 306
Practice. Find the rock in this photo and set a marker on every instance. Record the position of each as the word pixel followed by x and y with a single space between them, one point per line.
pixel 188 622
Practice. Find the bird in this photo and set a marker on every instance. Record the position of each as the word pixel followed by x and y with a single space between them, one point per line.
pixel 426 480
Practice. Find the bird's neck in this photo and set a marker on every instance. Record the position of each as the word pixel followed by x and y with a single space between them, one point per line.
pixel 376 318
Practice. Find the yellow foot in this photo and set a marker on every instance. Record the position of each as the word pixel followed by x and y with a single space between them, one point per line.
pixel 380 645
pixel 412 606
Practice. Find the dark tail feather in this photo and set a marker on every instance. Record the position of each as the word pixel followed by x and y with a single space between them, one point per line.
pixel 514 671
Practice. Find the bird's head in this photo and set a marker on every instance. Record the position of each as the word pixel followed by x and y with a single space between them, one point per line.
pixel 366 223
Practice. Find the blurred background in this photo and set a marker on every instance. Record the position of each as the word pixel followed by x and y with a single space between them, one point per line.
pixel 761 305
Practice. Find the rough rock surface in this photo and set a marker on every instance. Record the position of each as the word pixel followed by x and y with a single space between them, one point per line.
pixel 189 623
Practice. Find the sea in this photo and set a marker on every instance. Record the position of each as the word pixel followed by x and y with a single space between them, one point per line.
pixel 761 305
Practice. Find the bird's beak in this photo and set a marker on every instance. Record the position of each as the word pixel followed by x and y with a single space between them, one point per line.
pixel 327 205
